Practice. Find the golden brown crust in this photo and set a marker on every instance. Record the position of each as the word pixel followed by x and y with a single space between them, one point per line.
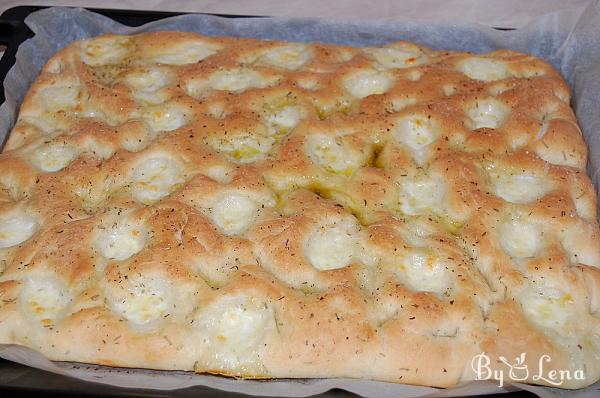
pixel 269 209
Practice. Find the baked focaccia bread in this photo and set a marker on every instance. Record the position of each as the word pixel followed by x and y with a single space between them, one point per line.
pixel 266 209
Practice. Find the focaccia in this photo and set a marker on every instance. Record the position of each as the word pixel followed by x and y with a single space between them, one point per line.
pixel 266 209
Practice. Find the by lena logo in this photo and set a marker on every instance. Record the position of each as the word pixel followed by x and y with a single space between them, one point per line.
pixel 519 371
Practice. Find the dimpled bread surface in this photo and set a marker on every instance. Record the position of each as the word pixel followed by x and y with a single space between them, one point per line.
pixel 266 209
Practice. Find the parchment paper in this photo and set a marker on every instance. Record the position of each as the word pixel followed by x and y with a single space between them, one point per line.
pixel 570 40
pixel 498 13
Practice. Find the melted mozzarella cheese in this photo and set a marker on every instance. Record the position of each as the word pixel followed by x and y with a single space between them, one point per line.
pixel 244 148
pixel 331 154
pixel 16 227
pixel 584 205
pixel 234 331
pixel 154 179
pixel 284 120
pixel 332 245
pixel 47 123
pixel 217 110
pixel 308 83
pixel 520 238
pixel 365 83
pixel 165 117
pixel 395 57
pixel 54 157
pixel 152 97
pixel 142 301
pixel 55 65
pixel 414 131
pixel 197 87
pixel 414 75
pixel 236 80
pixel 234 213
pixel 63 98
pixel 448 90
pixel 93 113
pixel 549 308
pixel 219 173
pixel 104 50
pixel 487 113
pixel 519 187
pixel 484 69
pixel 186 53
pixel 423 271
pixel 290 56
pixel 148 80
pixel 97 148
pixel 44 298
pixel 421 195
pixel 418 229
pixel 120 240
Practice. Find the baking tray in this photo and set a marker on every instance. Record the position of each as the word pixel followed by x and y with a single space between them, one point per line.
pixel 19 380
